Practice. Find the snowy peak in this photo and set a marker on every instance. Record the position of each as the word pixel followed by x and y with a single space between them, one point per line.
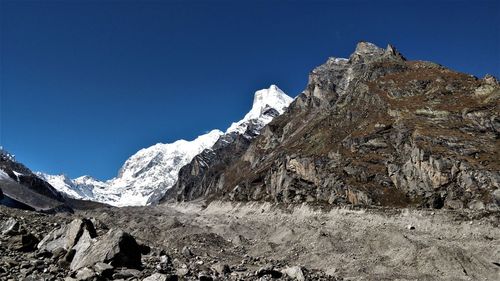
pixel 273 97
pixel 264 100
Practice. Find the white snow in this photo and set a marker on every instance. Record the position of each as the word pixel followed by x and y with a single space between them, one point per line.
pixel 17 174
pixel 264 99
pixel 65 185
pixel 4 176
pixel 148 174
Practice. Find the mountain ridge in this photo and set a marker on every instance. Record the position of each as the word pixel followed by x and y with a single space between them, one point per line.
pixel 374 129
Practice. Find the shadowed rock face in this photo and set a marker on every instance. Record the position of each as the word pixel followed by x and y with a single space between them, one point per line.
pixel 375 129
pixel 24 190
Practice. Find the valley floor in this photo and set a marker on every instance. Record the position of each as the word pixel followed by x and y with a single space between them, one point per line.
pixel 364 244
pixel 346 244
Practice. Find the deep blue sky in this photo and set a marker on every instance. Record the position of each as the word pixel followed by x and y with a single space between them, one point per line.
pixel 85 84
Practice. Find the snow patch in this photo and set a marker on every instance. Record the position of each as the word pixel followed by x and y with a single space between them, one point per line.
pixel 4 176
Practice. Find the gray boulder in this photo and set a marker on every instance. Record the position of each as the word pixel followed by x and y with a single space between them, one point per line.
pixel 295 273
pixel 23 243
pixel 115 247
pixel 10 227
pixel 85 274
pixel 67 236
pixel 156 277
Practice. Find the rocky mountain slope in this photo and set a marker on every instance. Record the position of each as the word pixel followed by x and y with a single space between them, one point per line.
pixel 20 188
pixel 147 175
pixel 374 129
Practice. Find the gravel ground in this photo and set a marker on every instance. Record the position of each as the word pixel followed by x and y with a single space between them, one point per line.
pixel 362 244
pixel 250 240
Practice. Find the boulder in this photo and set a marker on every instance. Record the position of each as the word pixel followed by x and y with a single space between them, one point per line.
pixel 10 227
pixel 295 273
pixel 103 269
pixel 222 269
pixel 115 247
pixel 126 273
pixel 67 236
pixel 23 243
pixel 268 270
pixel 186 251
pixel 85 274
pixel 156 277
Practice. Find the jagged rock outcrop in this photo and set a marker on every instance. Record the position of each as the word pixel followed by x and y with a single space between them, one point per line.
pixel 374 129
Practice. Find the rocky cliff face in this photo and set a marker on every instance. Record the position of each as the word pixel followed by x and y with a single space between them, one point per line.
pixel 374 129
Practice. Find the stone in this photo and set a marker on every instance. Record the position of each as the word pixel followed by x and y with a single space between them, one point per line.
pixel 11 227
pixel 156 277
pixel 165 264
pixel 126 273
pixel 115 247
pixel 182 271
pixel 58 253
pixel 476 205
pixel 85 274
pixel 186 251
pixel 268 270
pixel 295 273
pixel 222 269
pixel 67 236
pixel 103 269
pixel 204 276
pixel 23 243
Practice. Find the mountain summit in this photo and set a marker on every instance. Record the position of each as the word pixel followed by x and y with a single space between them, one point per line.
pixel 264 102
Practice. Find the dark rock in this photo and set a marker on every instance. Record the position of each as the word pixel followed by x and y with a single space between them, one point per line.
pixel 204 277
pixel 23 243
pixel 268 270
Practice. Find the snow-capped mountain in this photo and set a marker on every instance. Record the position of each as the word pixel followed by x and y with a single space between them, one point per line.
pixel 147 175
pixel 264 100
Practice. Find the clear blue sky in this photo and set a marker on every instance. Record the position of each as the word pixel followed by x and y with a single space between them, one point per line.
pixel 85 84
